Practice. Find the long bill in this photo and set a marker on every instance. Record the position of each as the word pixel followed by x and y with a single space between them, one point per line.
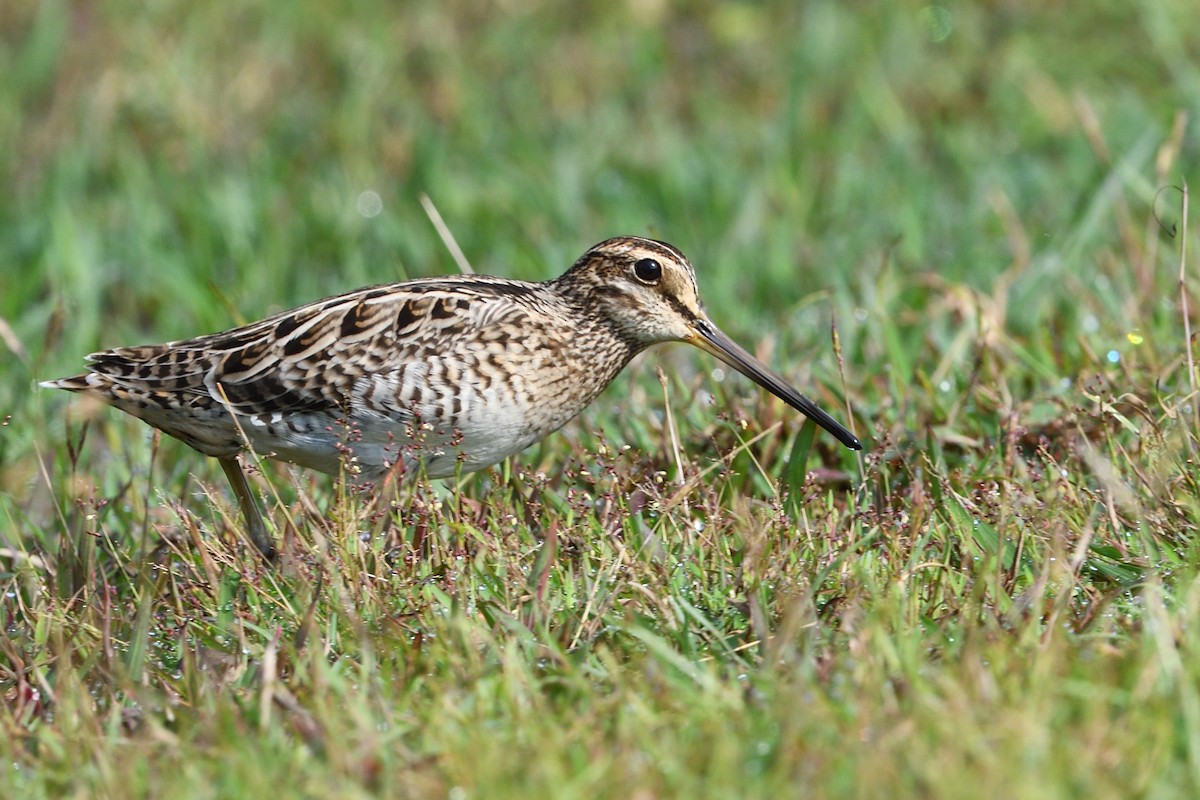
pixel 711 339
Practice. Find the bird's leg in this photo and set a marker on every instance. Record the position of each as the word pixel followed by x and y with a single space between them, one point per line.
pixel 254 521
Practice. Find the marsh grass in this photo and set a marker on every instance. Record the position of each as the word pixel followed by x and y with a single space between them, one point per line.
pixel 950 219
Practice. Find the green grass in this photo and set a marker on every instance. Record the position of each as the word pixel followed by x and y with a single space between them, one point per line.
pixel 998 599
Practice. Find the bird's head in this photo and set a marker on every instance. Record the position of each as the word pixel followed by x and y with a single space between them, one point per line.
pixel 646 290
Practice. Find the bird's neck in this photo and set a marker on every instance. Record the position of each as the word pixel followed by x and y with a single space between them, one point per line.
pixel 597 348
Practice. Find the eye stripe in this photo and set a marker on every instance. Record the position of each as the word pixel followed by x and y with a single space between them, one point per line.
pixel 683 310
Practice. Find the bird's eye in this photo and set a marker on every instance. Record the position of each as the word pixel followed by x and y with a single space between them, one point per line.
pixel 647 270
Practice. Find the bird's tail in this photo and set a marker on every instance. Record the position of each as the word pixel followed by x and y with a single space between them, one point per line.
pixel 79 383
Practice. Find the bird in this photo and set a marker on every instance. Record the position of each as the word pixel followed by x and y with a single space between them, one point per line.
pixel 443 375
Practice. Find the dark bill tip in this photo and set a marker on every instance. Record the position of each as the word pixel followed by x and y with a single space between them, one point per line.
pixel 712 340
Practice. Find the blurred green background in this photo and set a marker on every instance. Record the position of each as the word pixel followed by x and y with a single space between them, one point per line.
pixel 173 167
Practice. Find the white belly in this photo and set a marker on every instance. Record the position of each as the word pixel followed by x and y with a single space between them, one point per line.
pixel 487 433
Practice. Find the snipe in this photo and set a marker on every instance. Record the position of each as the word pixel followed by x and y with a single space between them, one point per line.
pixel 459 370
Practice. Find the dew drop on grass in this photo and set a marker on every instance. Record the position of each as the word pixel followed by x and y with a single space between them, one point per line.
pixel 369 204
